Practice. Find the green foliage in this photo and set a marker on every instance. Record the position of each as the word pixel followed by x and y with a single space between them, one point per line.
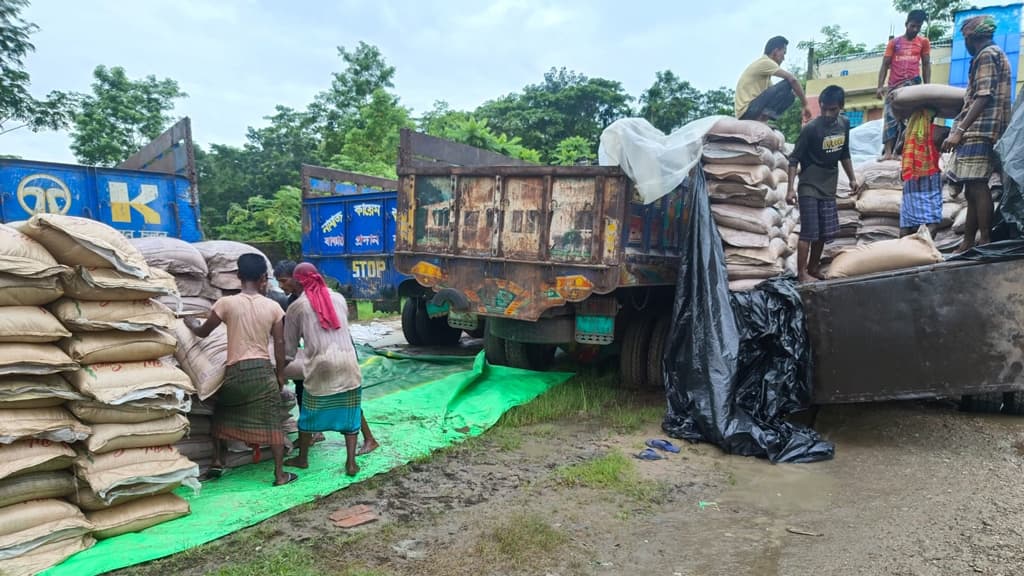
pixel 18 109
pixel 275 219
pixel 565 104
pixel 371 141
pixel 836 42
pixel 121 115
pixel 940 14
pixel 573 150
pixel 672 102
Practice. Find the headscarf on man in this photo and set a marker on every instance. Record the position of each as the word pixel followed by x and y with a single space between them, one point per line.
pixel 978 26
pixel 318 294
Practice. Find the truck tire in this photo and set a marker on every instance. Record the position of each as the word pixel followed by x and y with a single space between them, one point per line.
pixel 635 349
pixel 529 356
pixel 991 403
pixel 424 326
pixel 494 349
pixel 445 334
pixel 409 311
pixel 656 351
pixel 481 329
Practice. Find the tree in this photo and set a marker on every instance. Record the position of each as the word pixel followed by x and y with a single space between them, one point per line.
pixel 466 129
pixel 371 142
pixel 121 115
pixel 573 150
pixel 275 219
pixel 441 119
pixel 670 102
pixel 718 102
pixel 225 177
pixel 835 43
pixel 365 73
pixel 565 104
pixel 18 109
pixel 277 151
pixel 940 14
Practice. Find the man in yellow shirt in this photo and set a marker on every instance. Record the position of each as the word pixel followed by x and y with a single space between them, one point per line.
pixel 757 98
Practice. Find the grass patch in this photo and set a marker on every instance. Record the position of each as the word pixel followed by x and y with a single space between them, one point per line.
pixel 288 560
pixel 614 472
pixel 365 311
pixel 589 396
pixel 521 538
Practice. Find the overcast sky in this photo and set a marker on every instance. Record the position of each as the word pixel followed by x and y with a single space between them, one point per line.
pixel 237 59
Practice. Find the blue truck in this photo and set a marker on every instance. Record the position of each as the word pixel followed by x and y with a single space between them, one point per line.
pixel 153 193
pixel 348 231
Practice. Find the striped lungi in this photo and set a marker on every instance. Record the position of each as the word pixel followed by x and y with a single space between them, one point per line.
pixel 922 201
pixel 819 219
pixel 247 407
pixel 341 412
pixel 973 160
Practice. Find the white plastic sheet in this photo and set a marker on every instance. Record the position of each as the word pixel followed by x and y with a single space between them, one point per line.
pixel 866 142
pixel 655 162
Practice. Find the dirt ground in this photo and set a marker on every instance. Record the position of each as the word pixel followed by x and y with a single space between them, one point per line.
pixel 915 489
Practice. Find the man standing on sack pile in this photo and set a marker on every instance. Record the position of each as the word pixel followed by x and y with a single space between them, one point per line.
pixel 756 97
pixel 907 62
pixel 981 123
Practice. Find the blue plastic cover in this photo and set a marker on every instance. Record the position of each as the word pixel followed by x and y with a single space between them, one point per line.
pixel 1007 37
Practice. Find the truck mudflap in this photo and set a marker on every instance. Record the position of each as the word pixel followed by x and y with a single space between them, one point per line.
pixel 947 330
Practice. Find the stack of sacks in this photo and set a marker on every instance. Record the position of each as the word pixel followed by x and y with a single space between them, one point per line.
pixel 182 261
pixel 36 430
pixel 954 219
pixel 747 184
pixel 917 249
pixel 222 262
pixel 877 205
pixel 133 401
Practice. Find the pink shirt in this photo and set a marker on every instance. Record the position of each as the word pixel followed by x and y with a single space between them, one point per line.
pixel 906 58
pixel 249 319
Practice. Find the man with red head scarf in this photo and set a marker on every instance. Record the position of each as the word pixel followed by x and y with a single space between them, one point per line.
pixel 331 399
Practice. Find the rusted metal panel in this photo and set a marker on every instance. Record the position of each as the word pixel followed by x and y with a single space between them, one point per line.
pixel 573 213
pixel 432 214
pixel 172 152
pixel 417 149
pixel 525 215
pixel 318 181
pixel 944 330
pixel 475 200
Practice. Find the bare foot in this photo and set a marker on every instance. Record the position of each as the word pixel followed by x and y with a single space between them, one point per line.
pixel 318 437
pixel 805 278
pixel 815 273
pixel 297 462
pixel 367 447
pixel 964 247
pixel 351 469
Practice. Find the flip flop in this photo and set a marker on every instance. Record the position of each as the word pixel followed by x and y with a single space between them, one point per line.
pixel 649 454
pixel 663 445
pixel 292 477
pixel 214 473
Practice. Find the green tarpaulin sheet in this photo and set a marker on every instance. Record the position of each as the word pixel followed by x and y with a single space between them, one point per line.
pixel 415 405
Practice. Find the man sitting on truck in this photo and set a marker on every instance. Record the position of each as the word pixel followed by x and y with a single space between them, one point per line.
pixel 756 97
pixel 907 61
pixel 823 143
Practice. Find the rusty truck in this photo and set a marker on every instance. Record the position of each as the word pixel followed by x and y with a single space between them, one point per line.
pixel 538 257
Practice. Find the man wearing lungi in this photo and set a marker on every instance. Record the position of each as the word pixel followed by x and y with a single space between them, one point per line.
pixel 907 61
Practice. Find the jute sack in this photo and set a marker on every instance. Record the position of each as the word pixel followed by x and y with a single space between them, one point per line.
pixel 744 272
pixel 744 195
pixel 105 285
pixel 203 359
pixel 130 382
pixel 20 391
pixel 880 221
pixel 115 346
pixel 737 153
pixel 849 218
pixel 29 525
pixel 164 432
pixel 190 286
pixel 780 176
pixel 36 486
pixel 196 448
pixel 45 556
pixel 758 256
pixel 88 501
pixel 880 202
pixel 918 249
pixel 748 131
pixel 171 255
pixel 950 210
pixel 18 291
pixel 24 257
pixel 947 101
pixel 752 175
pixel 745 218
pixel 741 239
pixel 30 324
pixel 222 261
pixel 75 241
pixel 28 456
pixel 137 515
pixel 34 359
pixel 189 306
pixel 132 316
pixel 135 471
pixel 779 161
pixel 131 413
pixel 56 424
pixel 884 174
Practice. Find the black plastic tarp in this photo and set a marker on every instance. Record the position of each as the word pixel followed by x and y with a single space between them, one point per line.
pixel 736 363
pixel 1009 219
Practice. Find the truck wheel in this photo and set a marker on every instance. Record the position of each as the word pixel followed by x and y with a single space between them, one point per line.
pixel 494 349
pixel 409 311
pixel 656 351
pixel 481 329
pixel 991 403
pixel 635 348
pixel 1014 403
pixel 445 334
pixel 425 327
pixel 529 356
